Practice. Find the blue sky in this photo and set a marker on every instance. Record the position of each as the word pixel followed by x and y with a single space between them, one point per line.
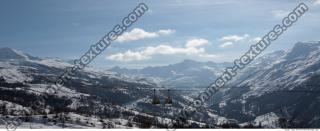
pixel 172 30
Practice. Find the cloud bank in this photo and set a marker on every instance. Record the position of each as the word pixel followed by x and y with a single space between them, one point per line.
pixel 192 47
pixel 138 34
pixel 230 40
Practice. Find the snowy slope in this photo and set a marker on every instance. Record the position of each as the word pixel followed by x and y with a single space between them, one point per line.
pixel 282 79
pixel 281 70
pixel 93 98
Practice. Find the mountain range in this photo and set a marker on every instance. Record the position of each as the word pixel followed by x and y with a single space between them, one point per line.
pixel 185 74
pixel 90 98
pixel 285 83
pixel 278 89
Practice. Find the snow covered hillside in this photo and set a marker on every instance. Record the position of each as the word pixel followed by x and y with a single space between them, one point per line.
pixel 91 98
pixel 283 82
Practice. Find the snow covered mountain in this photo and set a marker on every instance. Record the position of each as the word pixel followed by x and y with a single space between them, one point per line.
pixel 284 82
pixel 90 99
pixel 279 89
pixel 7 54
pixel 186 74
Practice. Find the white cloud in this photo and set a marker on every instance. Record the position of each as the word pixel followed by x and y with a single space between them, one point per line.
pixel 316 2
pixel 226 44
pixel 197 42
pixel 192 47
pixel 279 13
pixel 137 34
pixel 166 32
pixel 229 40
pixel 127 56
pixel 234 38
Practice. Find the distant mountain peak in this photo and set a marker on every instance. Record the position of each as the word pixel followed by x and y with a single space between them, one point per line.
pixel 184 74
pixel 9 53
pixel 310 44
pixel 188 60
pixel 302 49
